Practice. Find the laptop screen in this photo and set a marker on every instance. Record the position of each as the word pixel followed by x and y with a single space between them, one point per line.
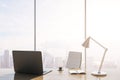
pixel 29 62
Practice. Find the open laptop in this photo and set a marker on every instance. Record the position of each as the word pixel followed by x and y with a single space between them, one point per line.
pixel 28 62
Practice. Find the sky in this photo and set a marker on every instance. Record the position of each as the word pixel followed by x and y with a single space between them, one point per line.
pixel 52 17
pixel 16 14
pixel 16 22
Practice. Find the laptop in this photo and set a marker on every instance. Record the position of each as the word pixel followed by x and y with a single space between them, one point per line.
pixel 28 62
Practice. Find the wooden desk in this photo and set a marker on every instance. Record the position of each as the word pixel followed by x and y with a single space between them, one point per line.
pixel 112 74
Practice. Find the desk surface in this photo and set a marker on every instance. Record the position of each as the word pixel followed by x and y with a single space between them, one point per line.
pixel 8 74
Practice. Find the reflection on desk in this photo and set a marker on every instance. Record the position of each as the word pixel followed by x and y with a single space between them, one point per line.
pixel 112 74
pixel 24 76
pixel 18 76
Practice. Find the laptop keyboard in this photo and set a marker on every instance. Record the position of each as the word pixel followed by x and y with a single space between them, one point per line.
pixel 46 71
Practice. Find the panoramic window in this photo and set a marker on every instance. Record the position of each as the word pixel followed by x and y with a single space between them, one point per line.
pixel 16 28
pixel 60 27
pixel 103 25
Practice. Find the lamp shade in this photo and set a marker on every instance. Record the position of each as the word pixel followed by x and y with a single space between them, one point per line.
pixel 86 43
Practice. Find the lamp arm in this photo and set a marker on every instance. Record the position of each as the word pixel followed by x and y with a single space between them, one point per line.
pixel 102 61
pixel 103 54
pixel 98 43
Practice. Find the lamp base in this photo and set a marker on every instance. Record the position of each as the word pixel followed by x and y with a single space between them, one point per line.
pixel 99 73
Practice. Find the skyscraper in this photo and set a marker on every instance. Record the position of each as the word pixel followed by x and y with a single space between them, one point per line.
pixel 6 59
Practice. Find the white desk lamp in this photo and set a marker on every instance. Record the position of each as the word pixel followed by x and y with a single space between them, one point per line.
pixel 86 45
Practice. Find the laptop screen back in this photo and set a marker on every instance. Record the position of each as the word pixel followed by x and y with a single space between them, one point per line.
pixel 29 62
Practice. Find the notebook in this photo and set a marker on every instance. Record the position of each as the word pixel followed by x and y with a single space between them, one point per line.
pixel 29 62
